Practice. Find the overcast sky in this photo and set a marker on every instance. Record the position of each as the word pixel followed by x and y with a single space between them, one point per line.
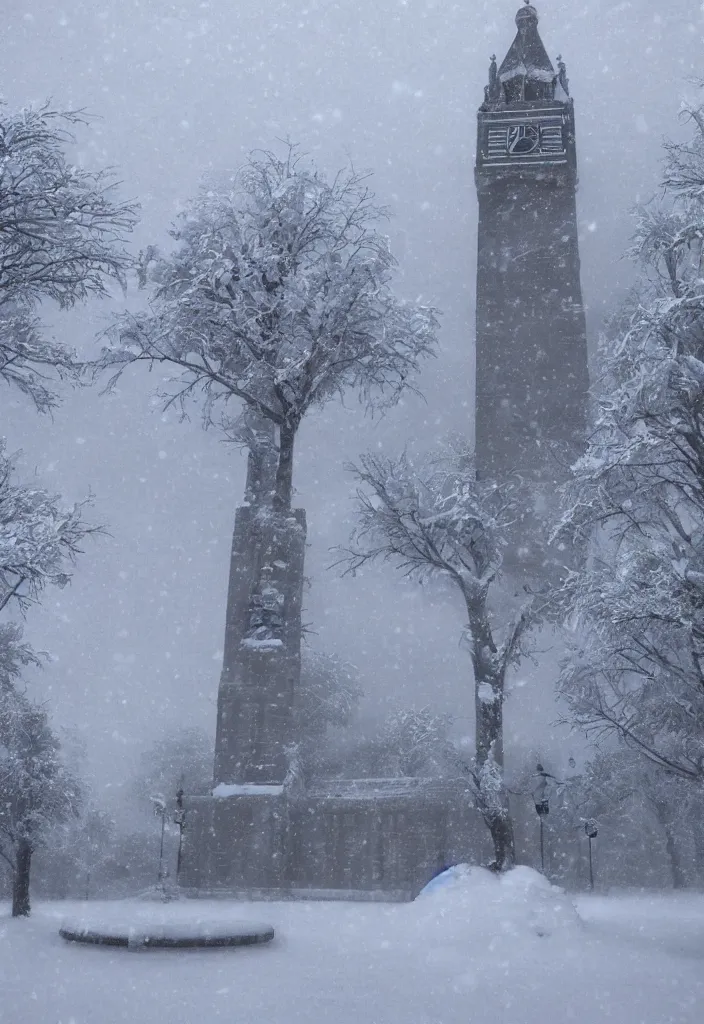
pixel 183 91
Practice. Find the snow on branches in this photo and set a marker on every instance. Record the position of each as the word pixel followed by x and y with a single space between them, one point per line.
pixel 61 238
pixel 637 668
pixel 35 784
pixel 39 538
pixel 277 294
pixel 437 520
pixel 418 741
pixel 328 694
pixel 31 362
pixel 14 653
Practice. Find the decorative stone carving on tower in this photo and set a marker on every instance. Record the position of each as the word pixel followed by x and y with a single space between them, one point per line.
pixel 531 347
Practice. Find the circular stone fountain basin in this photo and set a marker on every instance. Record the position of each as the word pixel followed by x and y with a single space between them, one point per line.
pixel 160 929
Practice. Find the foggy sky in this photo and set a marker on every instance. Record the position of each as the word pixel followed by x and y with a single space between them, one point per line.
pixel 183 91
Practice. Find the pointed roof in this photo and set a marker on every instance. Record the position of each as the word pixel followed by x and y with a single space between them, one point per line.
pixel 527 55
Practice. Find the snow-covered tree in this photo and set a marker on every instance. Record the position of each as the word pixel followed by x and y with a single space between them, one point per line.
pixel 437 521
pixel 417 741
pixel 76 856
pixel 39 537
pixel 637 607
pixel 327 698
pixel 61 238
pixel 622 787
pixel 408 742
pixel 182 758
pixel 38 789
pixel 15 654
pixel 277 294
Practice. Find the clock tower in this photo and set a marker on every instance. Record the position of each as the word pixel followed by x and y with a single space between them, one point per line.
pixel 531 347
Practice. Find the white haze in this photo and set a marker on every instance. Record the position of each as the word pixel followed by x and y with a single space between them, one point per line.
pixel 184 90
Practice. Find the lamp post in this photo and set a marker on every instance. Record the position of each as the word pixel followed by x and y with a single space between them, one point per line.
pixel 160 812
pixel 591 830
pixel 542 809
pixel 180 820
pixel 542 806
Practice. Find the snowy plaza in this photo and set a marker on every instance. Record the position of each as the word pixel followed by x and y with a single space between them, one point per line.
pixel 480 952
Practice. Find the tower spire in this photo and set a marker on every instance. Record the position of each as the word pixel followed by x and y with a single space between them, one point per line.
pixel 527 73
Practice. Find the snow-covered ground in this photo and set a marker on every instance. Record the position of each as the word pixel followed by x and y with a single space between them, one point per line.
pixel 478 951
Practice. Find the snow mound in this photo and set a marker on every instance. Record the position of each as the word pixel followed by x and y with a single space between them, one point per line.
pixel 136 925
pixel 467 903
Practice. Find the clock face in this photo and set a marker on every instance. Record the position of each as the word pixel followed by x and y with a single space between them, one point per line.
pixel 538 139
pixel 523 139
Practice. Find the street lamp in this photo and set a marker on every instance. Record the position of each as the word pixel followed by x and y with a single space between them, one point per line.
pixel 590 827
pixel 159 805
pixel 542 805
pixel 180 820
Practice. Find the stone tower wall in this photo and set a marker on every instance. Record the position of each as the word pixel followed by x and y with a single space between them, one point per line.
pixel 262 655
pixel 386 843
pixel 531 349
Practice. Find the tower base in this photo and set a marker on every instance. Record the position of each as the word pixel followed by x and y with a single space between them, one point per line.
pixel 366 839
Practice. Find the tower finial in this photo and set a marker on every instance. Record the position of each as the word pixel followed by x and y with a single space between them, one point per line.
pixel 562 75
pixel 527 73
pixel 527 15
pixel 493 90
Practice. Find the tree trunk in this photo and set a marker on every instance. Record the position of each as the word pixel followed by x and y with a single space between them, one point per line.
pixel 664 816
pixel 489 716
pixel 489 731
pixel 20 880
pixel 501 831
pixel 678 878
pixel 492 801
pixel 698 836
pixel 261 462
pixel 284 468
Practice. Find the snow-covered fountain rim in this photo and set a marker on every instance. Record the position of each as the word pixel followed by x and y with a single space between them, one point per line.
pixel 158 928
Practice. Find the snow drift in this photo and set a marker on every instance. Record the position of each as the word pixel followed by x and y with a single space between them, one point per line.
pixel 470 949
pixel 468 904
